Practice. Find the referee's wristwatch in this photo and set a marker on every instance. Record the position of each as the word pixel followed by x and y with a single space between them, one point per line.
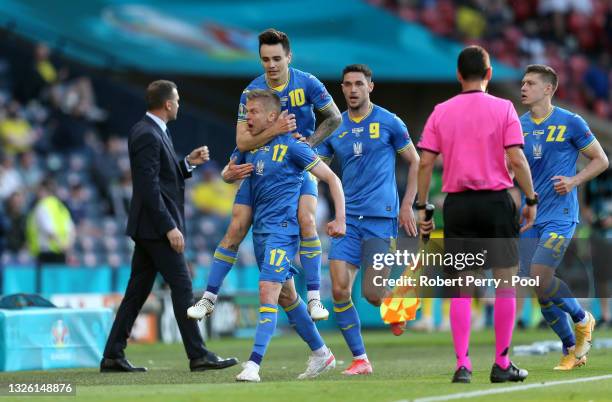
pixel 532 201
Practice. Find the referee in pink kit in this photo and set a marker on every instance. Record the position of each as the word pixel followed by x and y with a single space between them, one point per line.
pixel 473 131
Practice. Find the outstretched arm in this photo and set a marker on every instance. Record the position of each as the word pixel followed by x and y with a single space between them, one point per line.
pixel 337 227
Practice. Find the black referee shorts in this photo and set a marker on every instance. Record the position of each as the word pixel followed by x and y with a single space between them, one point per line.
pixel 482 221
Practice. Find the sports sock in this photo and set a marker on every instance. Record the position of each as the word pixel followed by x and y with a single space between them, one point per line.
pixel 460 316
pixel 310 258
pixel 557 320
pixel 560 294
pixel 313 294
pixel 348 321
pixel 322 351
pixel 264 331
pixel 297 313
pixel 223 261
pixel 210 296
pixel 504 315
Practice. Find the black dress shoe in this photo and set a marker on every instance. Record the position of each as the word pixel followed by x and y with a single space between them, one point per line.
pixel 211 362
pixel 512 373
pixel 120 365
pixel 462 375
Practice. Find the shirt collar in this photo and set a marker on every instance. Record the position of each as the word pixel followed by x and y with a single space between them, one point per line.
pixel 159 121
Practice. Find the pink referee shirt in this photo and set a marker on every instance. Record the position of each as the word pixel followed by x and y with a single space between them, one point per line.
pixel 471 132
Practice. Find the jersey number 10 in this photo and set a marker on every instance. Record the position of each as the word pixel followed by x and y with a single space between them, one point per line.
pixel 297 97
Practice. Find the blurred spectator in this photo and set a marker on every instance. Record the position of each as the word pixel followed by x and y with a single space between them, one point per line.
pixel 568 35
pixel 31 173
pixel 471 23
pixel 50 232
pixel 16 134
pixel 37 76
pixel 104 169
pixel 498 16
pixel 77 202
pixel 68 131
pixel 212 195
pixel 122 194
pixel 15 213
pixel 77 97
pixel 531 45
pixel 597 79
pixel 10 180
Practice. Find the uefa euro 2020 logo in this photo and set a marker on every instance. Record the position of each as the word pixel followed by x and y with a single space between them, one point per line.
pixel 60 333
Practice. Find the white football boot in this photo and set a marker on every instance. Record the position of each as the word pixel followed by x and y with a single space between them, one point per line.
pixel 318 365
pixel 317 310
pixel 203 308
pixel 249 373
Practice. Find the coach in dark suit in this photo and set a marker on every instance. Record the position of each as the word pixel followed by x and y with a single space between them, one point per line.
pixel 156 223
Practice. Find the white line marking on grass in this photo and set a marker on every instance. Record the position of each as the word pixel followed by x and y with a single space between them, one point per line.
pixel 462 395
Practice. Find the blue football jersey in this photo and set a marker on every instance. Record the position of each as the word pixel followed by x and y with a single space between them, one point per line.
pixel 301 94
pixel 276 182
pixel 552 146
pixel 366 150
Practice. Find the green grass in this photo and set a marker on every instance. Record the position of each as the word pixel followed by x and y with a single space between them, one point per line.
pixel 407 367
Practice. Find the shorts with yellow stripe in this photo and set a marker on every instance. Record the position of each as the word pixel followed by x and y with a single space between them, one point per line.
pixel 365 236
pixel 274 253
pixel 544 244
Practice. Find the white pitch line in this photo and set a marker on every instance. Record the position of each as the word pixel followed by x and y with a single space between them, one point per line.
pixel 471 394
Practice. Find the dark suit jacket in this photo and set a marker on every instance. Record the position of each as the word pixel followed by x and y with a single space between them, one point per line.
pixel 158 179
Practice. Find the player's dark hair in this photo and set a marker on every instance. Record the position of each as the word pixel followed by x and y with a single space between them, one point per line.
pixel 158 92
pixel 547 73
pixel 270 98
pixel 273 37
pixel 358 68
pixel 473 63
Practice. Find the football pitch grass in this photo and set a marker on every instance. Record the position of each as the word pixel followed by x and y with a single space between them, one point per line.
pixel 409 367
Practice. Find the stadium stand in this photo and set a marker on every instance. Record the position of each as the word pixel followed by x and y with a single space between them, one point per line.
pixel 572 36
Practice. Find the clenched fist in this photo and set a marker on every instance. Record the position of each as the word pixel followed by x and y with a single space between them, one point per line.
pixel 198 156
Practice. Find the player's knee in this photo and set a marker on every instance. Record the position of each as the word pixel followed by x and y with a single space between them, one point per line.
pixel 374 298
pixel 287 297
pixel 266 294
pixel 308 226
pixel 341 293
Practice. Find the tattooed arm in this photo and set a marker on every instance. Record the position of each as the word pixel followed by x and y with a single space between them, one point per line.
pixel 332 119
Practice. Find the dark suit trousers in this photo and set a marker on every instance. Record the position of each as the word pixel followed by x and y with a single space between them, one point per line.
pixel 150 257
